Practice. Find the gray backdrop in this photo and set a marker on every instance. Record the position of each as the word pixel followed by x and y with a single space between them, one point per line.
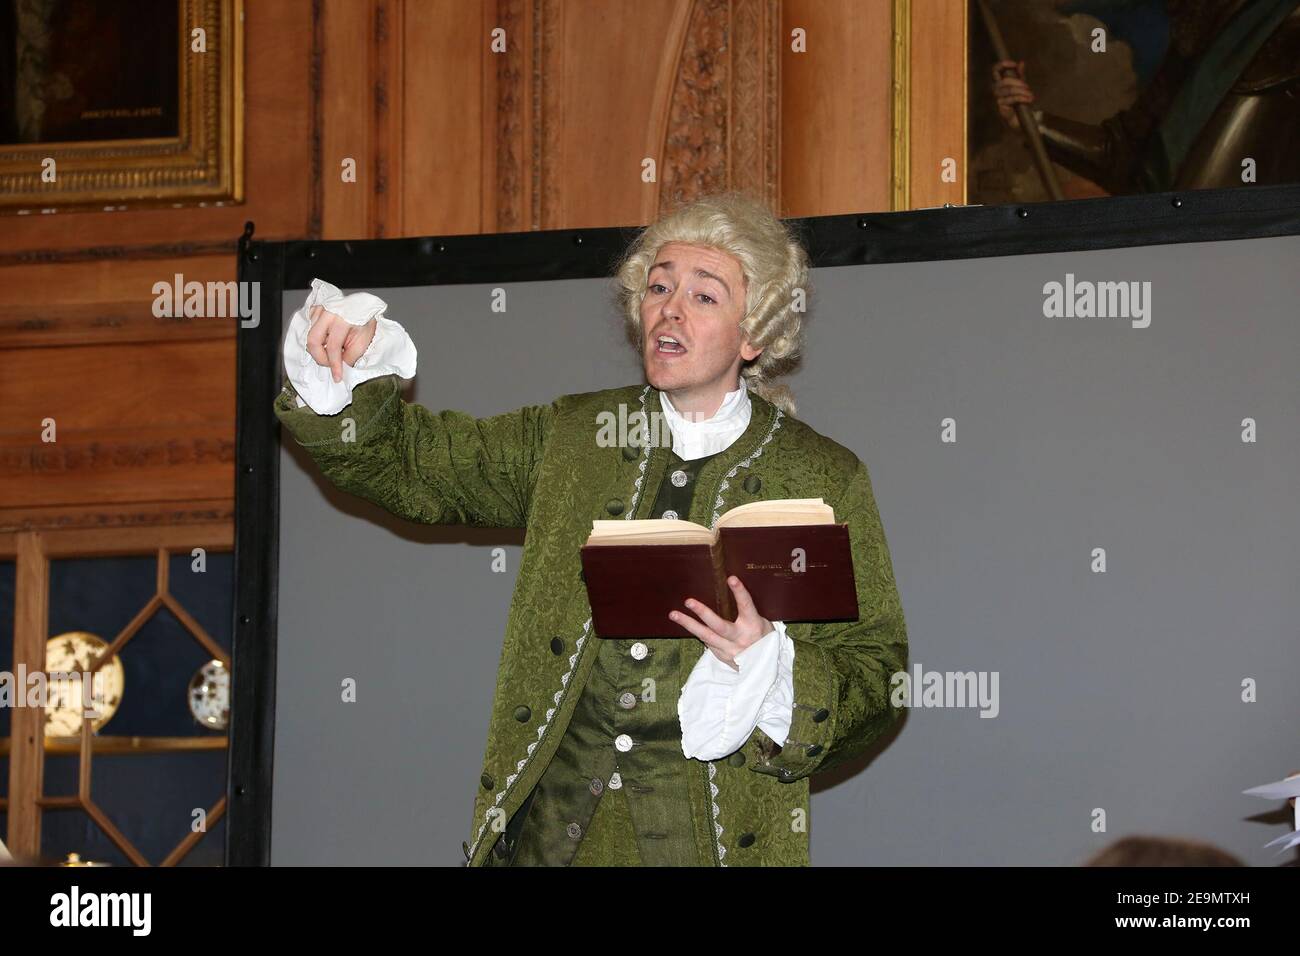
pixel 1119 690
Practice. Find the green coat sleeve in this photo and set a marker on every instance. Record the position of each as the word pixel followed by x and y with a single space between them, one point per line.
pixel 434 467
pixel 842 669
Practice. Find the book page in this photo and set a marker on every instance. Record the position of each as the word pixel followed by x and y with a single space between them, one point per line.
pixel 784 511
pixel 649 531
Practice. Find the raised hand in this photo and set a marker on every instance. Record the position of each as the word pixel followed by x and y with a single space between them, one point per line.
pixel 333 342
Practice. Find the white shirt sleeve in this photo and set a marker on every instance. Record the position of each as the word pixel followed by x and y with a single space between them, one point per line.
pixel 390 352
pixel 720 707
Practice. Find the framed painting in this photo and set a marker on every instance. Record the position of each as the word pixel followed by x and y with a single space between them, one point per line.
pixel 108 105
pixel 1077 98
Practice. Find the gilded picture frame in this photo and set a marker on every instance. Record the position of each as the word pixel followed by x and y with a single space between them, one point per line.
pixel 92 127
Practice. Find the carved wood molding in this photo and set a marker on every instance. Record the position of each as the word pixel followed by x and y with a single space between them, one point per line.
pixel 511 118
pixel 900 178
pixel 756 99
pixel 155 475
pixel 315 84
pixel 724 119
pixel 176 447
pixel 548 115
pixel 695 151
pixel 122 520
pixel 166 250
pixel 386 97
pixel 715 124
pixel 102 323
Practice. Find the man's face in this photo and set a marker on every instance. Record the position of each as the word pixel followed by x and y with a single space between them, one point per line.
pixel 695 295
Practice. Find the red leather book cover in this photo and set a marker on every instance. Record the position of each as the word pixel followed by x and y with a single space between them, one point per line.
pixel 793 573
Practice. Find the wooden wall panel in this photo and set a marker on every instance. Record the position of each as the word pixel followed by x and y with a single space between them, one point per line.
pixel 144 406
pixel 938 101
pixel 362 89
pixel 552 133
pixel 597 133
pixel 135 424
pixel 347 126
pixel 835 110
pixel 104 280
pixel 839 103
pixel 448 117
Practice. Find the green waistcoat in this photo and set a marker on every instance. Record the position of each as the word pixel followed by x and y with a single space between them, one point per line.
pixel 617 791
pixel 553 468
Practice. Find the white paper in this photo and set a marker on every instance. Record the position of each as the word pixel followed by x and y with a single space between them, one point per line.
pixel 1286 841
pixel 1280 790
pixel 1283 789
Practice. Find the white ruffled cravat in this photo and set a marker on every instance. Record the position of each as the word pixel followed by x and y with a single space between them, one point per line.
pixel 695 439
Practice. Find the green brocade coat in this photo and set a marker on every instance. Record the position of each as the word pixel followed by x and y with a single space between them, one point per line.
pixel 544 468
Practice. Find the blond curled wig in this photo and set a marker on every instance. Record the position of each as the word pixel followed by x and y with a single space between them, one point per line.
pixel 773 262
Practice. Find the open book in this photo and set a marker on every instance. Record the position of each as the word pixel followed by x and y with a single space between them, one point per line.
pixel 790 555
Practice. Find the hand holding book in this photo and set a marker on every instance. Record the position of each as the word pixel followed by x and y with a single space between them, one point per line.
pixel 794 559
pixel 725 638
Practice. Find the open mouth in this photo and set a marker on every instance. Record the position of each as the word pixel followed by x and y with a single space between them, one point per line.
pixel 667 345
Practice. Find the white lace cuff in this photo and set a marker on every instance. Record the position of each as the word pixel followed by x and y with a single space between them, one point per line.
pixel 390 352
pixel 720 707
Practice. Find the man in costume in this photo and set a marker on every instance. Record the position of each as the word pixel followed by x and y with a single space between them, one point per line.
pixel 662 751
